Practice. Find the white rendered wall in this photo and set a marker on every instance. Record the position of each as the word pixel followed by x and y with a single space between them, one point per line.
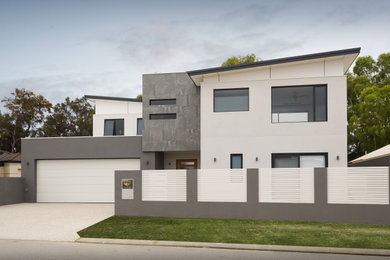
pixel 252 133
pixel 108 109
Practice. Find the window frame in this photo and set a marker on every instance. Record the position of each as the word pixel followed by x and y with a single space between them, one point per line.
pixel 142 126
pixel 215 90
pixel 231 161
pixel 114 128
pixel 314 102
pixel 162 99
pixel 151 115
pixel 273 155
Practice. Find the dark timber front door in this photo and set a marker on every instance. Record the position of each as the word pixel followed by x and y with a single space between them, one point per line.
pixel 187 164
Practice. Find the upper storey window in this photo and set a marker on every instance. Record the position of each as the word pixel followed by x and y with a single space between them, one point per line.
pixel 229 100
pixel 299 104
pixel 114 127
pixel 171 101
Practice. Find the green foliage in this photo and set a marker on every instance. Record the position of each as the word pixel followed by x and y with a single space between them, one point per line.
pixel 139 97
pixel 31 115
pixel 70 118
pixel 235 60
pixel 25 112
pixel 368 105
pixel 365 66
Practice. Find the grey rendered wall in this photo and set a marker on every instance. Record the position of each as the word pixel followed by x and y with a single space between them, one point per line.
pixel 11 190
pixel 118 147
pixel 383 161
pixel 182 133
pixel 319 211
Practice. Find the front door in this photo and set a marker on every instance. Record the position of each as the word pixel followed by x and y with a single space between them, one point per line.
pixel 186 164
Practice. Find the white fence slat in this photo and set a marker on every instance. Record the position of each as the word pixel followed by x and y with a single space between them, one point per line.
pixel 358 185
pixel 222 185
pixel 164 185
pixel 286 185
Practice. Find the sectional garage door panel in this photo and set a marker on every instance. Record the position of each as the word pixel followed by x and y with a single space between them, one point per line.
pixel 89 180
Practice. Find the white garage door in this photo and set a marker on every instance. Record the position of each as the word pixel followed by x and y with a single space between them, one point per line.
pixel 89 180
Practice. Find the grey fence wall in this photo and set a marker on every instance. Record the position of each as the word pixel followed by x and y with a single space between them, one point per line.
pixel 88 147
pixel 11 190
pixel 320 210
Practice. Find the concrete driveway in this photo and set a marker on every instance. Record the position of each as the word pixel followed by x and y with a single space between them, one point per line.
pixel 50 221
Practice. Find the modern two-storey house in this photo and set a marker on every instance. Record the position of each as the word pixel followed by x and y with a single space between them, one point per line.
pixel 289 112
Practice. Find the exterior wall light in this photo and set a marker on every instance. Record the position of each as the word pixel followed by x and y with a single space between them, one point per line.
pixel 215 159
pixel 338 157
pixel 257 159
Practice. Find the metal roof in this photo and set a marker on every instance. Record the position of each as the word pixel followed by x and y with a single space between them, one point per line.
pixel 113 98
pixel 381 152
pixel 275 61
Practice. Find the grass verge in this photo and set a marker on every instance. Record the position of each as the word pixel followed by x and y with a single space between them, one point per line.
pixel 242 231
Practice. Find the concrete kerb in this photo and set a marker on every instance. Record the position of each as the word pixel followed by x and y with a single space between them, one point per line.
pixel 297 249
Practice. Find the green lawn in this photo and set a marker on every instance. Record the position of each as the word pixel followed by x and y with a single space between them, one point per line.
pixel 242 231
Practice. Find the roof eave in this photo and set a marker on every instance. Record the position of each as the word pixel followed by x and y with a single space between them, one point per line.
pixel 91 97
pixel 196 73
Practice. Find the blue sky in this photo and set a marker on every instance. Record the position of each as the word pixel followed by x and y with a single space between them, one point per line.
pixel 73 48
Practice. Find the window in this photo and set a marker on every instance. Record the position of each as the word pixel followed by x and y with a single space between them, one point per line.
pixel 114 127
pixel 299 104
pixel 236 161
pixel 162 116
pixel 304 160
pixel 229 100
pixel 171 101
pixel 139 126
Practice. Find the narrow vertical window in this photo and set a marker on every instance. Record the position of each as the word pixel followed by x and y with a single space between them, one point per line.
pixel 236 161
pixel 139 126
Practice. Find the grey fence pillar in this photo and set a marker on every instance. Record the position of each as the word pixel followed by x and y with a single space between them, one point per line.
pixel 192 186
pixel 320 187
pixel 252 186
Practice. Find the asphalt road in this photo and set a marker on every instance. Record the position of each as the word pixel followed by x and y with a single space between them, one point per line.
pixel 42 250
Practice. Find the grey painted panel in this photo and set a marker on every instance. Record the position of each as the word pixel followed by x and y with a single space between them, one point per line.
pixel 318 211
pixel 11 190
pixel 182 133
pixel 116 147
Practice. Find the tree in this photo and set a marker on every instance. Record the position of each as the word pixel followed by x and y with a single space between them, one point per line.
pixel 368 105
pixel 5 131
pixel 235 60
pixel 25 112
pixel 370 125
pixel 70 118
pixel 139 97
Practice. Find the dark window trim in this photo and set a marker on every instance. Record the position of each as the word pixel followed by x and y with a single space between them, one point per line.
pixel 163 99
pixel 230 89
pixel 231 161
pixel 167 114
pixel 299 155
pixel 314 102
pixel 114 129
pixel 142 127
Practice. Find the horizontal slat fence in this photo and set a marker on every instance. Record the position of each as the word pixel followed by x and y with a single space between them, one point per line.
pixel 222 185
pixel 164 185
pixel 286 185
pixel 358 185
